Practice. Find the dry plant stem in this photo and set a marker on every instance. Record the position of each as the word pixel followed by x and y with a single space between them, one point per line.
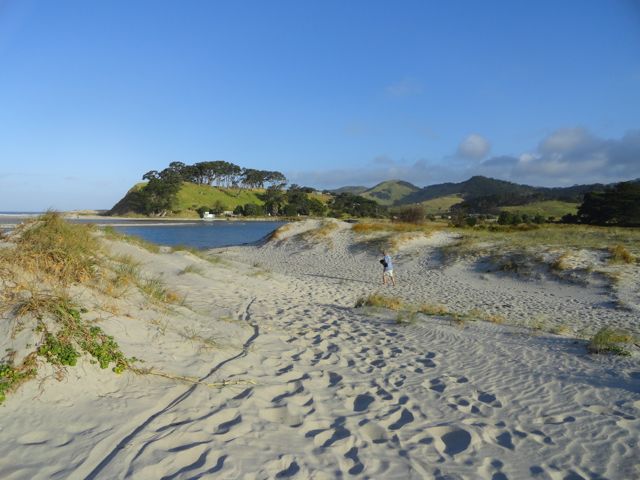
pixel 192 380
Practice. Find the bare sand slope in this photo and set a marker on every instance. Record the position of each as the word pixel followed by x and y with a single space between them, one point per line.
pixel 339 392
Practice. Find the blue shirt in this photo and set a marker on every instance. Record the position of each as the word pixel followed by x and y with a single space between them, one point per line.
pixel 389 266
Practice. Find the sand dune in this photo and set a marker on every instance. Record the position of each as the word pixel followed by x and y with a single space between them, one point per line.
pixel 326 390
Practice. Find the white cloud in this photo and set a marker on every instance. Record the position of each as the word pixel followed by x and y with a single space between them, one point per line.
pixel 407 87
pixel 565 157
pixel 570 156
pixel 474 146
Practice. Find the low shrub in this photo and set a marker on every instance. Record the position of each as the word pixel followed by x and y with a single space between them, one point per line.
pixel 11 377
pixel 619 254
pixel 50 245
pixel 380 301
pixel 608 340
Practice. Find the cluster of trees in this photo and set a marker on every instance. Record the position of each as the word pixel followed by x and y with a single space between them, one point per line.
pixel 158 195
pixel 292 202
pixel 515 218
pixel 356 206
pixel 218 173
pixel 617 205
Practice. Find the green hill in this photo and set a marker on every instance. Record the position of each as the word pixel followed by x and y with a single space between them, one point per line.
pixel 190 197
pixel 390 192
pixel 354 190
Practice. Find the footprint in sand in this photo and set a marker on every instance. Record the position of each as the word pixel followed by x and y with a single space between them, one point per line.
pixel 373 431
pixel 448 440
pixel 362 402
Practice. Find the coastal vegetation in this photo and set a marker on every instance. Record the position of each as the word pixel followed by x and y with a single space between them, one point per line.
pixel 47 265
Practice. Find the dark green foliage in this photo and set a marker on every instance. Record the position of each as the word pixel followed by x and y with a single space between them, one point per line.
pixel 299 203
pixel 509 218
pixel 251 209
pixel 58 350
pixel 413 214
pixel 274 199
pixel 75 336
pixel 356 206
pixel 11 376
pixel 617 205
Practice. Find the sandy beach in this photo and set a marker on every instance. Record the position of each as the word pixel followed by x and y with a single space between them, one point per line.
pixel 318 389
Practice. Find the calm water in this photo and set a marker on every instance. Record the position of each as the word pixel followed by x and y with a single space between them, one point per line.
pixel 203 235
pixel 191 233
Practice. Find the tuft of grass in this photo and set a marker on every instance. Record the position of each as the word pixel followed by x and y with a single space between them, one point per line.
pixel 561 262
pixel 52 246
pixel 407 317
pixel 560 330
pixel 619 254
pixel 279 232
pixel 193 336
pixel 380 301
pixel 437 310
pixel 608 340
pixel 192 268
pixel 156 290
pixel 185 248
pixel 322 232
pixel 477 314
pixel 538 323
pixel 127 271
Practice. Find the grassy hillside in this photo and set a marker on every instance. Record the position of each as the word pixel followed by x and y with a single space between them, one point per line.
pixel 192 196
pixel 549 208
pixel 355 190
pixel 390 192
pixel 440 204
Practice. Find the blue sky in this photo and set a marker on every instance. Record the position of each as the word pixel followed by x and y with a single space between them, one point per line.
pixel 331 93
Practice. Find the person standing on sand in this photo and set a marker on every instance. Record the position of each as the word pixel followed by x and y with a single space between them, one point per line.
pixel 387 269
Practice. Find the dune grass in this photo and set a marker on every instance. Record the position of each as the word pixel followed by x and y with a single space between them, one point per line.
pixel 610 340
pixel 501 238
pixel 326 228
pixel 192 268
pixel 48 245
pixel 380 301
pixel 620 254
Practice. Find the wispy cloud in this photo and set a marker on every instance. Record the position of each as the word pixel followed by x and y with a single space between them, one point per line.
pixel 407 87
pixel 565 157
pixel 474 146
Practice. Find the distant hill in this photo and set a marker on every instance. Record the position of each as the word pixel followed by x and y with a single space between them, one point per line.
pixel 349 189
pixel 480 194
pixel 391 192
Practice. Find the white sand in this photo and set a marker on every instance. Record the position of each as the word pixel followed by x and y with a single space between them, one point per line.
pixel 340 392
